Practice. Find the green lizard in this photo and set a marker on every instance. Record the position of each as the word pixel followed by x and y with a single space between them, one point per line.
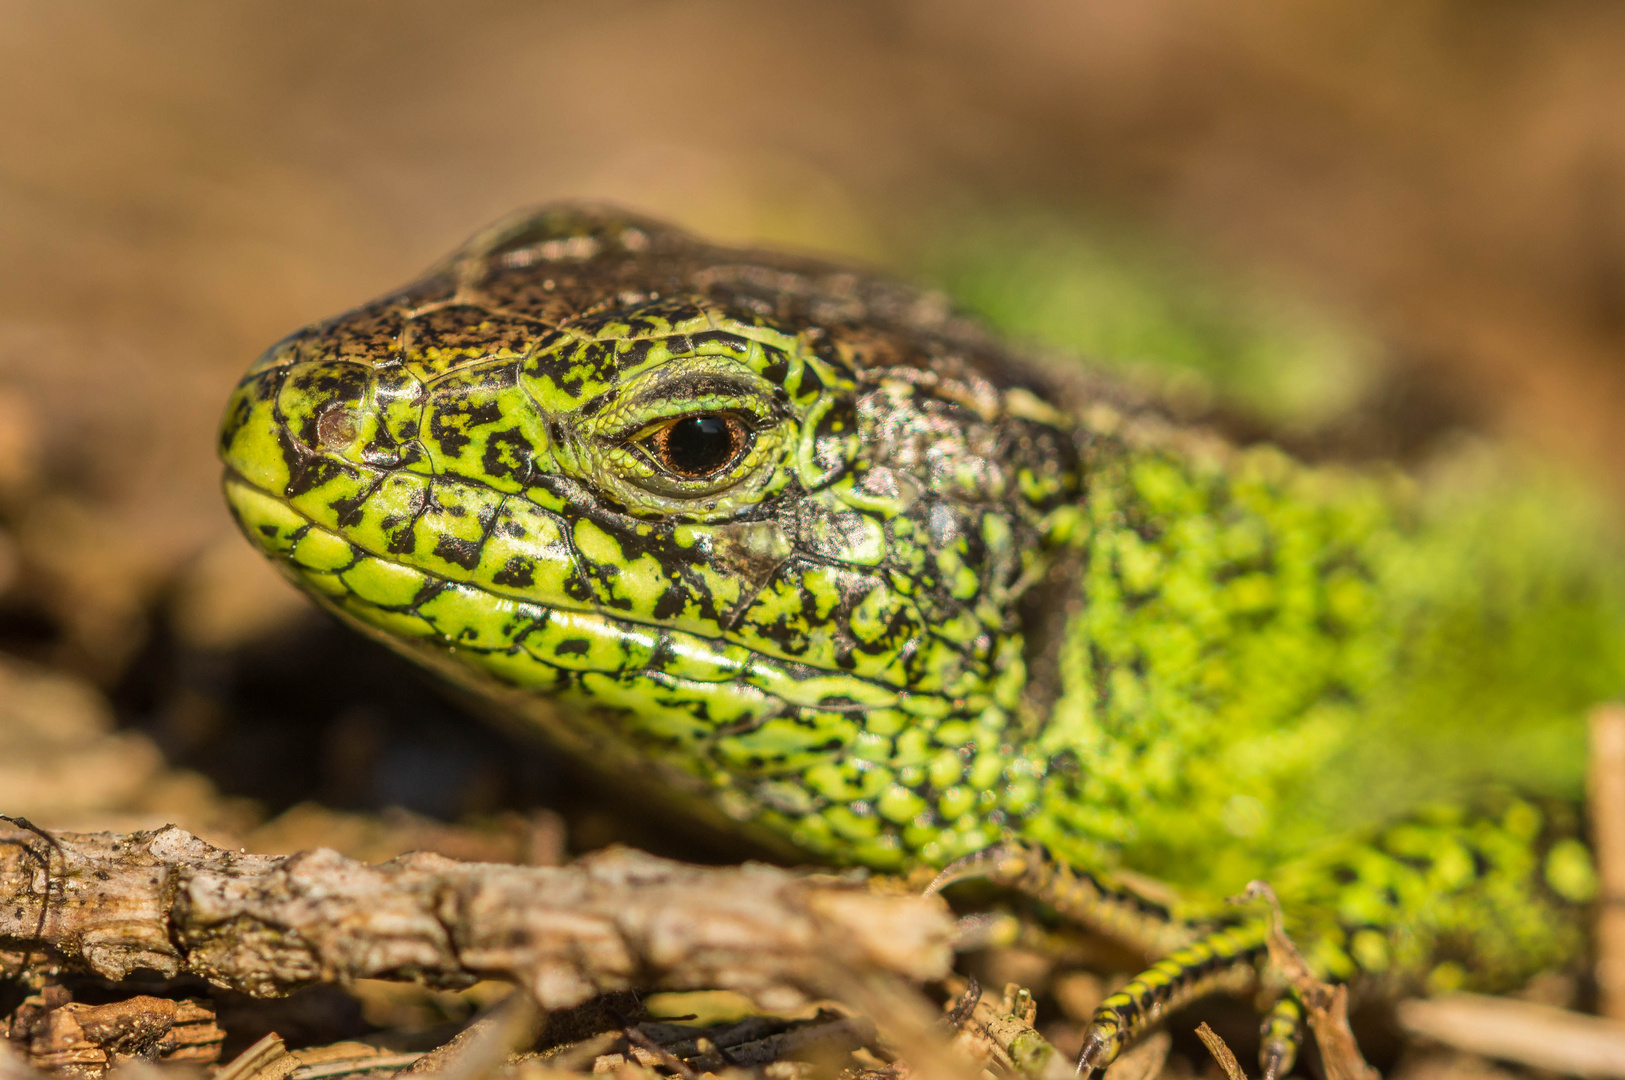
pixel 813 554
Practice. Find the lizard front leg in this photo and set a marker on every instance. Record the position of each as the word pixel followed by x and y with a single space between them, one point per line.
pixel 1224 960
pixel 1194 960
pixel 1110 908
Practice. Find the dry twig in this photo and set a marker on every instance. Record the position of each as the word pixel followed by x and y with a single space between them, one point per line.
pixel 1002 1033
pixel 1221 1052
pixel 166 901
pixel 1327 1005
pixel 1606 795
pixel 1539 1036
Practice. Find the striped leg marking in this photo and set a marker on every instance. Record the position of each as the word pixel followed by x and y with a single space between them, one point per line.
pixel 1196 961
pixel 1223 961
pixel 1282 1031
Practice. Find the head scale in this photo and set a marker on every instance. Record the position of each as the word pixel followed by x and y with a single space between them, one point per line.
pixel 755 523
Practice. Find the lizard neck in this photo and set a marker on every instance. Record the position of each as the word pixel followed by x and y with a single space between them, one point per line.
pixel 1212 634
pixel 1246 654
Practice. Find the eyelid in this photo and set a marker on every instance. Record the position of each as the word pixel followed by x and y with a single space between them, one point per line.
pixel 752 423
pixel 752 411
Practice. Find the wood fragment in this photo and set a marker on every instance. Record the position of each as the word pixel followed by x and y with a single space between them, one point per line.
pixel 267 925
pixel 80 1041
pixel 1536 1036
pixel 1002 1034
pixel 42 855
pixel 1329 1019
pixel 1221 1052
pixel 359 1064
pixel 1605 784
pixel 258 1059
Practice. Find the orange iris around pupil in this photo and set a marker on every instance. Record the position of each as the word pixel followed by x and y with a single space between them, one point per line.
pixel 696 446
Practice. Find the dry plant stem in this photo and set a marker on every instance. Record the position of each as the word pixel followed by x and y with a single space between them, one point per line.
pixel 1326 1006
pixel 377 1065
pixel 255 1060
pixel 166 901
pixel 1001 1032
pixel 1606 794
pixel 1020 1046
pixel 1538 1036
pixel 1221 1052
pixel 659 1054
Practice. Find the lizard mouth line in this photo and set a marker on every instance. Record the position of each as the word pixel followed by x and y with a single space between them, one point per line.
pixel 673 655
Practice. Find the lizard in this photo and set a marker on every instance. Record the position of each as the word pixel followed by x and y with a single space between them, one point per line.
pixel 816 556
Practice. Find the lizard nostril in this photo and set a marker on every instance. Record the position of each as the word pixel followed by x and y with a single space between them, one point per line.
pixel 336 428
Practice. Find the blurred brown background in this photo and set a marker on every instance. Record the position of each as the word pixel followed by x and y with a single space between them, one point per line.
pixel 181 183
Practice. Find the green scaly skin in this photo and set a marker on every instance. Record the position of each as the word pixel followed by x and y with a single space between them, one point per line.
pixel 935 602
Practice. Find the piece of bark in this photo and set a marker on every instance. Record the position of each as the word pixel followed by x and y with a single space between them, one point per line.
pixel 267 1059
pixel 166 901
pixel 74 1039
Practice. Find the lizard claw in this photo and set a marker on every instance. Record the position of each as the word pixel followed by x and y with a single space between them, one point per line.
pixel 978 864
pixel 1099 1048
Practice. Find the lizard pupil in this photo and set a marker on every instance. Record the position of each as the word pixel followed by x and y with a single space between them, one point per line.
pixel 699 445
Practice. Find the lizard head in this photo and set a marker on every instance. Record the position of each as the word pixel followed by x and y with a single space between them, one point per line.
pixel 757 524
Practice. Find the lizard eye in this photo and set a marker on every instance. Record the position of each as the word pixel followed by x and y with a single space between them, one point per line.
pixel 699 446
